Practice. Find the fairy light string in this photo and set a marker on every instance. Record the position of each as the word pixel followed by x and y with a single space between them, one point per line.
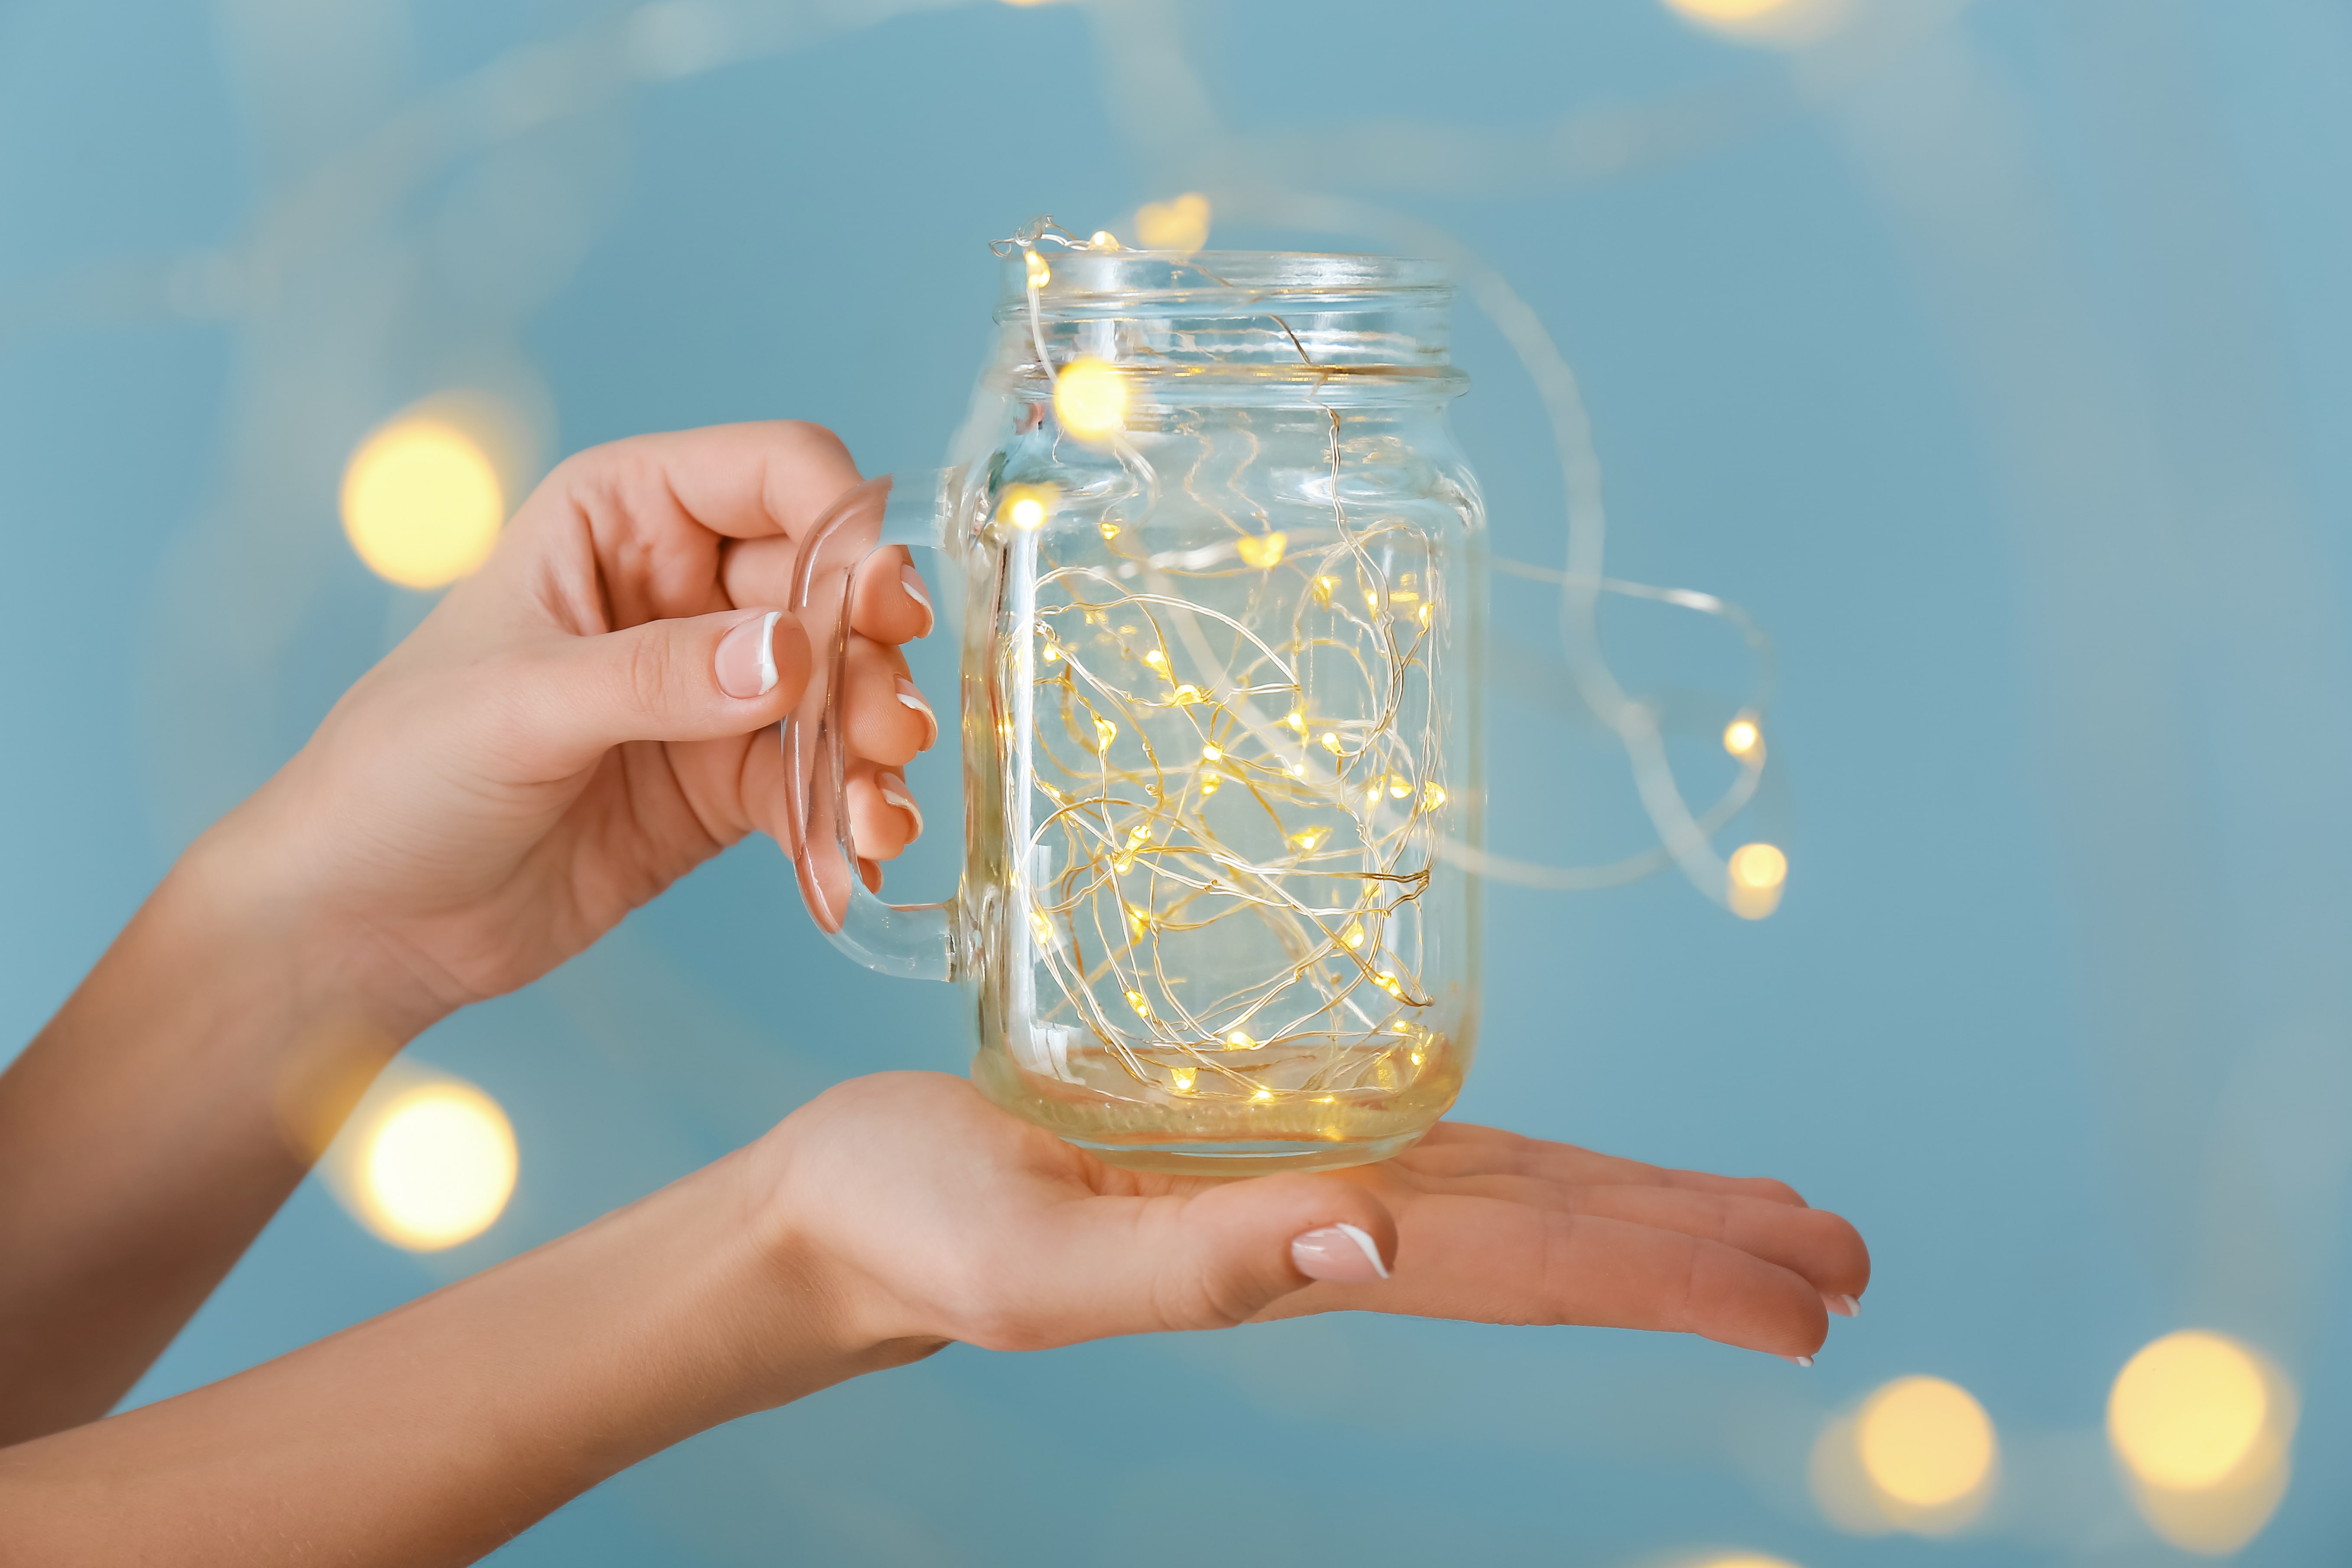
pixel 1279 763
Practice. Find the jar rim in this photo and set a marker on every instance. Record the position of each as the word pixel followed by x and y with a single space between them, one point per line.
pixel 1087 282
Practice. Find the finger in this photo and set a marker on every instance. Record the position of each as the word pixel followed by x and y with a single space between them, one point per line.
pixel 1463 1149
pixel 884 817
pixel 655 509
pixel 1486 1260
pixel 891 604
pixel 883 714
pixel 1813 1242
pixel 572 699
pixel 1204 1259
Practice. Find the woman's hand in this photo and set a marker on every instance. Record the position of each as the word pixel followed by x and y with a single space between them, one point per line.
pixel 931 1216
pixel 578 724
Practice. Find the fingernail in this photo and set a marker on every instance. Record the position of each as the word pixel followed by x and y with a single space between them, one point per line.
pixel 895 791
pixel 912 698
pixel 1844 1306
pixel 914 582
pixel 746 661
pixel 1341 1252
pixel 1797 1359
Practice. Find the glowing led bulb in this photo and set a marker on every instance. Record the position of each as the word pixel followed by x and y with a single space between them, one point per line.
pixel 1431 797
pixel 1209 781
pixel 1102 239
pixel 1263 1094
pixel 1090 400
pixel 1330 742
pixel 1105 732
pixel 1354 935
pixel 1372 600
pixel 1042 927
pixel 1212 754
pixel 1759 866
pixel 2187 1409
pixel 435 1167
pixel 1925 1443
pixel 1039 273
pixel 1238 1041
pixel 1426 612
pixel 1295 719
pixel 1307 838
pixel 1026 507
pixel 1387 981
pixel 1739 736
pixel 1323 587
pixel 1262 551
pixel 1399 786
pixel 421 503
pixel 1141 1004
pixel 1180 1080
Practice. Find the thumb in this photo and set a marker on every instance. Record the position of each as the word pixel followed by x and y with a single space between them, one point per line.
pixel 1222 1255
pixel 696 678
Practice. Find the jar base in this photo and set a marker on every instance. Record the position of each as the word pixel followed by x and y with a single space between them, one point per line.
pixel 1251 1159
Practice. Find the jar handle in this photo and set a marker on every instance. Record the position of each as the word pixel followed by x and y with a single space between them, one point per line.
pixel 919 941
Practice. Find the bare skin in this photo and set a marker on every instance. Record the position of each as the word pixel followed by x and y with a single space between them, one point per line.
pixel 554 746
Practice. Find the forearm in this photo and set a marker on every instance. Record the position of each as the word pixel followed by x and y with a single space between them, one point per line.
pixel 435 1431
pixel 149 1132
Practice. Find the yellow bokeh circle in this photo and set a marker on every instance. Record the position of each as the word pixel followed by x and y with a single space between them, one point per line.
pixel 1923 1442
pixel 1090 399
pixel 2187 1410
pixel 1759 866
pixel 1728 10
pixel 422 502
pixel 436 1167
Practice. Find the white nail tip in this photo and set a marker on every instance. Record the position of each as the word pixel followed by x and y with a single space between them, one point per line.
pixel 1364 1243
pixel 906 804
pixel 914 586
pixel 768 651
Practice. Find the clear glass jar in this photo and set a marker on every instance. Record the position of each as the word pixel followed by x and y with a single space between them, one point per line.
pixel 1222 634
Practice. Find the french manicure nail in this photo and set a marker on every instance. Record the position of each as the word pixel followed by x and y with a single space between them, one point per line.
pixel 1797 1359
pixel 746 661
pixel 895 791
pixel 914 582
pixel 913 698
pixel 1341 1252
pixel 1844 1306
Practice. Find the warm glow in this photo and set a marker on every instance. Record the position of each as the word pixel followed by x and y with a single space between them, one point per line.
pixel 1782 21
pixel 1262 550
pixel 422 503
pixel 1728 10
pixel 1026 507
pixel 1090 400
pixel 1739 736
pixel 435 1167
pixel 1743 1559
pixel 1102 239
pixel 2187 1410
pixel 1925 1443
pixel 1182 225
pixel 1759 866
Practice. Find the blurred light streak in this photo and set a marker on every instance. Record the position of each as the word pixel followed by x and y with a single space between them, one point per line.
pixel 1753 878
pixel 2202 1427
pixel 1090 400
pixel 426 1162
pixel 422 503
pixel 1919 1455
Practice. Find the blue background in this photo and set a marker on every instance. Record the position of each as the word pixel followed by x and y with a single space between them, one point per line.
pixel 1997 357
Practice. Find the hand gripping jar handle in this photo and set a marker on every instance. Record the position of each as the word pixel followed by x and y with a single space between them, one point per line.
pixel 919 941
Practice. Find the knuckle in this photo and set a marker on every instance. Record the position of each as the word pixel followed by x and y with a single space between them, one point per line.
pixel 645 675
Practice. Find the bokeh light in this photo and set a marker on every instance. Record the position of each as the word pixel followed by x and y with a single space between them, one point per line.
pixel 434 1166
pixel 1090 400
pixel 1919 1455
pixel 1757 872
pixel 1740 736
pixel 2187 1409
pixel 1742 1560
pixel 1182 225
pixel 1923 1442
pixel 422 503
pixel 2202 1426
